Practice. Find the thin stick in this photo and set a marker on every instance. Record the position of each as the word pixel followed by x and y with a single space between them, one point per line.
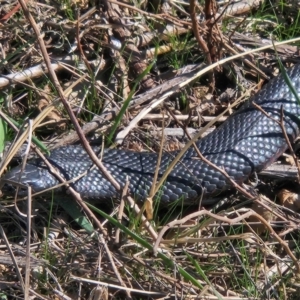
pixel 281 124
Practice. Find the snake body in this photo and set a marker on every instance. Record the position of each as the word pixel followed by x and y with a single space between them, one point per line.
pixel 247 142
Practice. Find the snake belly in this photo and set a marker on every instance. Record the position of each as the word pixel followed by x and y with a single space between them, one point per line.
pixel 247 142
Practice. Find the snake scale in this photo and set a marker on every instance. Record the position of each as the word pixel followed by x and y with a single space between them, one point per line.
pixel 247 142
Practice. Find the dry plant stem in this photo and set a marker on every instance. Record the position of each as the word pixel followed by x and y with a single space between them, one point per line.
pixel 115 269
pixel 53 76
pixel 289 230
pixel 203 46
pixel 157 91
pixel 61 295
pixel 202 71
pixel 39 296
pixel 242 7
pixel 117 287
pixel 237 27
pixel 179 284
pixel 210 14
pixel 279 171
pixel 82 137
pixel 222 13
pixel 24 161
pixel 11 13
pixel 189 144
pixel 238 258
pixel 121 210
pixel 38 71
pixel 237 186
pixel 56 174
pixel 149 200
pixel 198 118
pixel 137 65
pixel 190 240
pixel 73 192
pixel 221 170
pixel 28 243
pixel 208 9
pixel 13 258
pixel 80 47
pixel 146 223
pixel 201 42
pixel 229 221
pixel 281 124
pixel 8 121
pixel 147 14
pixel 269 207
pixel 246 61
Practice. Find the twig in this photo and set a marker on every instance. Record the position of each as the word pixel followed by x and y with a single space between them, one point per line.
pixel 149 200
pixel 188 145
pixel 229 221
pixel 172 86
pixel 28 243
pixel 83 57
pixel 10 14
pixel 82 137
pixel 221 170
pixel 150 15
pixel 13 258
pixel 111 259
pixel 40 70
pixel 281 124
pixel 121 210
pixel 146 223
pixel 117 287
pixel 200 40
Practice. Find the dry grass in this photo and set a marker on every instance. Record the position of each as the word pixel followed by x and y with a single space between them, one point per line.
pixel 73 67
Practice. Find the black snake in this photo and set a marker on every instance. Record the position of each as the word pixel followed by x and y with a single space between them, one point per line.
pixel 248 141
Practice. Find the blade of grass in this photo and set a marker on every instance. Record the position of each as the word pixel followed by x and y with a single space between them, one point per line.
pixel 285 75
pixel 3 134
pixel 169 262
pixel 201 272
pixel 35 140
pixel 76 213
pixel 127 101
